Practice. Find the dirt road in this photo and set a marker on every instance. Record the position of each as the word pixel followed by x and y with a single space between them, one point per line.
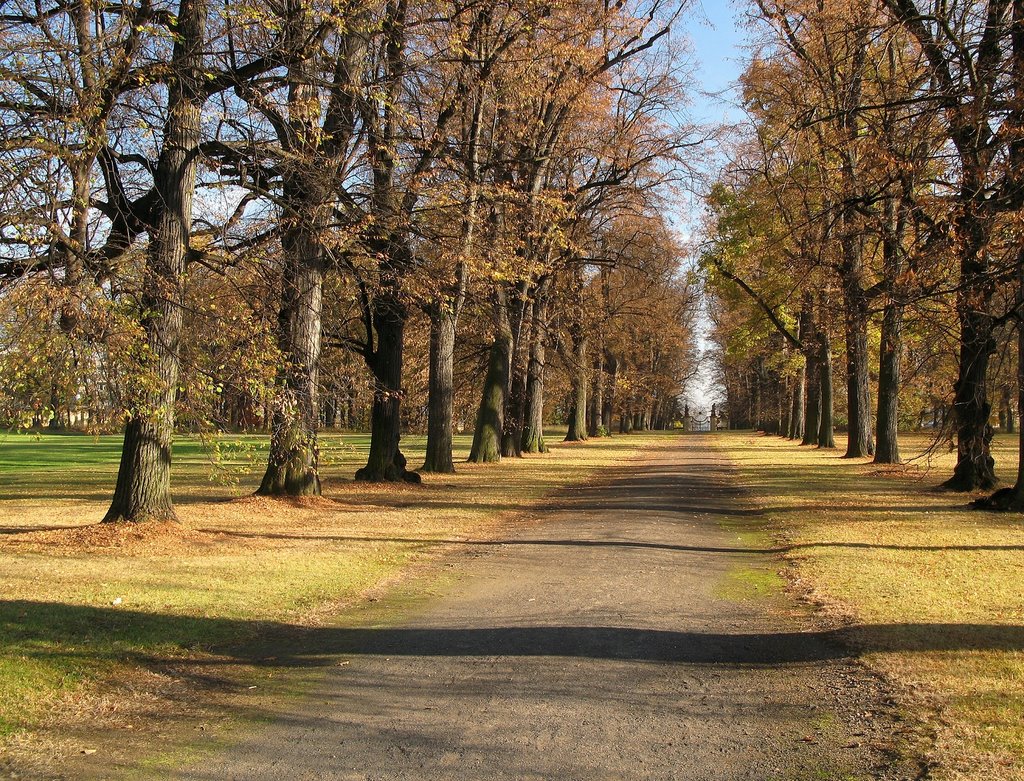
pixel 621 637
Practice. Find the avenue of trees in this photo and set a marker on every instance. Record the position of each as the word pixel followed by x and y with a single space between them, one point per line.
pixel 868 228
pixel 289 214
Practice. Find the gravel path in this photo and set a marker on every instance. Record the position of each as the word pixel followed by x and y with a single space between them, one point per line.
pixel 608 641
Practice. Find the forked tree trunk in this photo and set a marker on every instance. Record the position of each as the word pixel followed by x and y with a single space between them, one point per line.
pixel 294 460
pixel 143 489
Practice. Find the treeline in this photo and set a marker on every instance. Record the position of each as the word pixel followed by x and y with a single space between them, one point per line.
pixel 872 207
pixel 307 212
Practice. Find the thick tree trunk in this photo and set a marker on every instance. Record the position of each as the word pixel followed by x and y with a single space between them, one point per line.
pixel 293 463
pixel 578 410
pixel 826 426
pixel 490 417
pixel 143 489
pixel 385 462
pixel 533 429
pixel 975 467
pixel 440 392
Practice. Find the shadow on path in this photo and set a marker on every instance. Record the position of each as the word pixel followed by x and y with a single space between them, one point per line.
pixel 44 629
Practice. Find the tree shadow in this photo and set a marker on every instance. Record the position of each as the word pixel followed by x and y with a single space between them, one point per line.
pixel 62 633
pixel 585 543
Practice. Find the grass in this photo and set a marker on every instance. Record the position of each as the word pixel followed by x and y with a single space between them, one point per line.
pixel 934 590
pixel 85 606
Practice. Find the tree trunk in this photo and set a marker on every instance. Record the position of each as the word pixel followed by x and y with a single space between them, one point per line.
pixel 608 405
pixel 826 426
pixel 975 467
pixel 597 399
pixel 490 417
pixel 887 447
pixel 515 406
pixel 385 462
pixel 533 429
pixel 441 392
pixel 858 391
pixel 797 419
pixel 293 463
pixel 578 411
pixel 143 489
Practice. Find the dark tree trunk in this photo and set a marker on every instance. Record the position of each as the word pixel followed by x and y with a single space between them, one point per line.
pixel 385 462
pixel 533 429
pixel 975 467
pixel 597 399
pixel 887 449
pixel 608 405
pixel 56 420
pixel 143 489
pixel 859 440
pixel 490 417
pixel 812 374
pixel 826 426
pixel 441 392
pixel 796 419
pixel 515 407
pixel 578 409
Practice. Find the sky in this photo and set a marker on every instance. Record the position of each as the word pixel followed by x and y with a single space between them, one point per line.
pixel 717 41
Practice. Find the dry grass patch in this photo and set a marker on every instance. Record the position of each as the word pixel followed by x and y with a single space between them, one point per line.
pixel 85 606
pixel 934 590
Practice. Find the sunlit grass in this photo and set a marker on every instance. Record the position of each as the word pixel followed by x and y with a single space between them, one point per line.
pixel 884 547
pixel 80 608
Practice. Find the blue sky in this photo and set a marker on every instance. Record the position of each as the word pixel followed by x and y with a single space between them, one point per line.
pixel 717 40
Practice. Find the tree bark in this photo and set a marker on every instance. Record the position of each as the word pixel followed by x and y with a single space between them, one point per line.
pixel 490 418
pixel 533 429
pixel 385 462
pixel 578 411
pixel 826 426
pixel 293 463
pixel 597 399
pixel 441 392
pixel 143 489
pixel 515 406
pixel 797 419
pixel 975 467
pixel 859 441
